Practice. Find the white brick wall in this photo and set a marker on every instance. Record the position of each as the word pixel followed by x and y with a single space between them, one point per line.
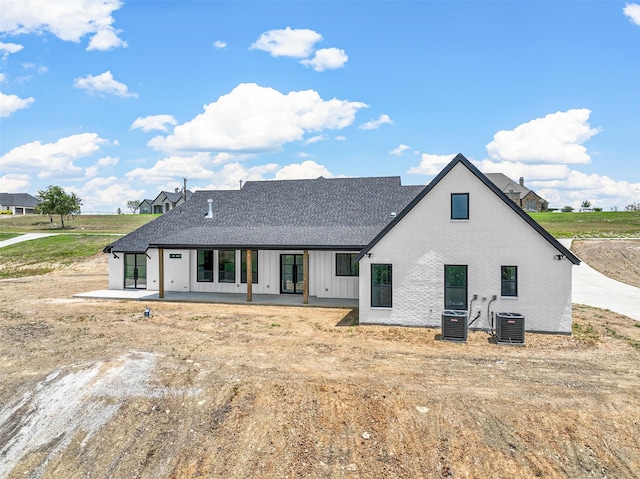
pixel 426 239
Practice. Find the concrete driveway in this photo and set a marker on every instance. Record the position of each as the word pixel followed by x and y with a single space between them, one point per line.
pixel 595 289
pixel 25 237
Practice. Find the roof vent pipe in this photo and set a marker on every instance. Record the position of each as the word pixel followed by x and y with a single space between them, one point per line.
pixel 210 212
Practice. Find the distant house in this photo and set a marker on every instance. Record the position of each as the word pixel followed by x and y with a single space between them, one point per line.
pixel 146 207
pixel 18 203
pixel 522 196
pixel 407 253
pixel 166 201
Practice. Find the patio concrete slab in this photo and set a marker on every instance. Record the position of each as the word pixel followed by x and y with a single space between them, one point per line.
pixel 221 298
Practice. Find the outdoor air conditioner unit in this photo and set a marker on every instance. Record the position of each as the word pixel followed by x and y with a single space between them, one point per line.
pixel 454 325
pixel 509 328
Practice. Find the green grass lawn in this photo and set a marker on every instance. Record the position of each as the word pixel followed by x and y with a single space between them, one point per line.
pixel 6 236
pixel 116 224
pixel 42 255
pixel 603 224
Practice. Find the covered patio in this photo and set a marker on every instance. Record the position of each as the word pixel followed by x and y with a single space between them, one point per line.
pixel 220 298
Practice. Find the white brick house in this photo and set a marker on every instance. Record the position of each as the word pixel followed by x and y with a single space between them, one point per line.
pixel 397 249
pixel 461 237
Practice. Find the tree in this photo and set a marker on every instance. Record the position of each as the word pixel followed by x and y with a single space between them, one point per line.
pixel 567 209
pixel 54 201
pixel 133 205
pixel 586 204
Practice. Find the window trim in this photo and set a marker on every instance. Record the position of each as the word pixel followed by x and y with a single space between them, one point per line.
pixel 243 262
pixel 465 287
pixel 504 282
pixel 390 286
pixel 354 266
pixel 454 195
pixel 222 272
pixel 212 259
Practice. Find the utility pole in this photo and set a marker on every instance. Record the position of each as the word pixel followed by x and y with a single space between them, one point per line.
pixel 184 189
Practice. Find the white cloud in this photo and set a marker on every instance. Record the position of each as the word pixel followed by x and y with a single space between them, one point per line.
pixel 198 166
pixel 375 124
pixel 69 20
pixel 556 138
pixel 326 59
pixel 7 49
pixel 154 122
pixel 106 39
pixel 229 176
pixel 106 195
pixel 515 170
pixel 632 11
pixel 297 43
pixel 15 183
pixel 2 77
pixel 103 84
pixel 220 45
pixel 521 153
pixel 53 159
pixel 9 104
pixel 100 165
pixel 35 67
pixel 601 191
pixel 306 170
pixel 315 139
pixel 252 118
pixel 431 164
pixel 400 150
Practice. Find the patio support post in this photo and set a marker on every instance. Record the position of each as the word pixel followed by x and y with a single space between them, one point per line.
pixel 161 275
pixel 249 267
pixel 305 273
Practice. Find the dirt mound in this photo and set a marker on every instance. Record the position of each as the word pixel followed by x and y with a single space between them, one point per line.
pixel 618 259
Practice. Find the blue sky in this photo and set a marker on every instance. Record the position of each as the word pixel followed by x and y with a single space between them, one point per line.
pixel 118 100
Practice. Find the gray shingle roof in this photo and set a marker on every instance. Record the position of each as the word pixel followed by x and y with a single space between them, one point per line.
pixel 322 213
pixel 18 199
pixel 506 184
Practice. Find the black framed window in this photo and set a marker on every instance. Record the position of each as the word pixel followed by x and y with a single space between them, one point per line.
pixel 509 280
pixel 455 286
pixel 205 266
pixel 459 206
pixel 346 264
pixel 381 286
pixel 227 266
pixel 254 266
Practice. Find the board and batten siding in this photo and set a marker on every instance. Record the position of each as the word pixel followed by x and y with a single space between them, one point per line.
pixel 323 281
pixel 322 270
pixel 180 273
pixel 426 239
pixel 116 271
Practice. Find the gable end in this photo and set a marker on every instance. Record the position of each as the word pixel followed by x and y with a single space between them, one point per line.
pixel 489 184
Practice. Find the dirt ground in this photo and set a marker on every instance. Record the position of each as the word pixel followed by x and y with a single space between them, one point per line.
pixel 94 389
pixel 618 259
